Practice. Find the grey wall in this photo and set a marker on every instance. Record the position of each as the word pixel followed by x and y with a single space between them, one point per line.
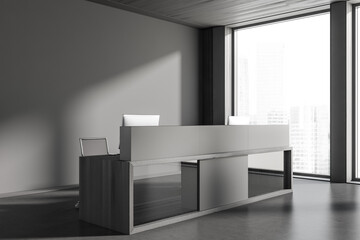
pixel 70 69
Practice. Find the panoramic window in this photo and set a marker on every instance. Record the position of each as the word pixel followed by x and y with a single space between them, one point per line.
pixel 282 76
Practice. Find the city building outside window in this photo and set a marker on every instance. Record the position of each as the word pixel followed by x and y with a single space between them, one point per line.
pixel 282 76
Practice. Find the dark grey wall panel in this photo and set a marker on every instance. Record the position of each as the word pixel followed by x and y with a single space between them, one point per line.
pixel 213 75
pixel 206 76
pixel 338 77
pixel 219 75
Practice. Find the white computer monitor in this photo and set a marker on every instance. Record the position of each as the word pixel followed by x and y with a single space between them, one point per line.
pixel 141 120
pixel 239 120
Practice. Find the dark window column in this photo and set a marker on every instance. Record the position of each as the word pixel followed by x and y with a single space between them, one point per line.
pixel 338 94
pixel 212 83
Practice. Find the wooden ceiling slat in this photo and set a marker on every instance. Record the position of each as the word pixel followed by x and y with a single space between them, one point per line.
pixel 206 13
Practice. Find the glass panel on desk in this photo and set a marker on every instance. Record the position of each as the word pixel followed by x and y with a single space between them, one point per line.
pixel 164 190
pixel 266 173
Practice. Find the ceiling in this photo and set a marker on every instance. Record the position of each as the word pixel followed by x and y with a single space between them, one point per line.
pixel 207 13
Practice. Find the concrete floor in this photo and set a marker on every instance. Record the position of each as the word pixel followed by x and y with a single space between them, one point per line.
pixel 316 210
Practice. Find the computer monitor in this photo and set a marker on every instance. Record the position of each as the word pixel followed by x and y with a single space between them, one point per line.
pixel 239 120
pixel 141 120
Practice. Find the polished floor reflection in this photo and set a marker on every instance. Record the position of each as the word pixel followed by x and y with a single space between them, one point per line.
pixel 316 210
pixel 262 182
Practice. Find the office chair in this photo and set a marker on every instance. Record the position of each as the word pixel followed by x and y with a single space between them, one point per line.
pixel 92 147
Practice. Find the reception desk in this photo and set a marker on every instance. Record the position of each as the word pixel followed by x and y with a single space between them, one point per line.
pixel 209 172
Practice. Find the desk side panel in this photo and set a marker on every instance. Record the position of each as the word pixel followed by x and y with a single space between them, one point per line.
pixel 122 197
pixel 288 167
pixel 105 192
pixel 94 189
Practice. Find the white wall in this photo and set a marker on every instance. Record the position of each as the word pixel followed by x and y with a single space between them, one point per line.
pixel 70 69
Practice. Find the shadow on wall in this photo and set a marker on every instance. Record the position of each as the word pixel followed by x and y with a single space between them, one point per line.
pixel 72 68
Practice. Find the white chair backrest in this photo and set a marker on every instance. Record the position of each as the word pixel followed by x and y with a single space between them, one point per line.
pixel 239 120
pixel 141 120
pixel 93 146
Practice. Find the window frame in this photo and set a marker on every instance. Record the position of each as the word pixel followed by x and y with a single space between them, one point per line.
pixel 355 135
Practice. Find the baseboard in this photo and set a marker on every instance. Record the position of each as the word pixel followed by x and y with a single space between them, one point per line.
pixel 37 191
pixel 354 182
pixel 312 178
